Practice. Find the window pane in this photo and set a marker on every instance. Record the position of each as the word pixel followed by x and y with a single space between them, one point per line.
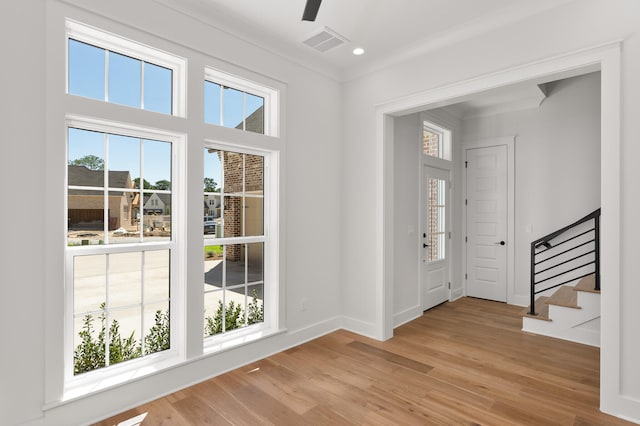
pixel 253 216
pixel 233 165
pixel 156 275
pixel 432 144
pixel 125 332
pixel 234 309
pixel 255 304
pixel 436 219
pixel 156 328
pixel 89 283
pixel 157 164
pixel 233 108
pixel 156 218
pixel 212 92
pixel 234 260
pixel 213 267
pixel 124 80
pixel 254 115
pixel 85 217
pixel 124 161
pixel 86 70
pixel 86 154
pixel 213 313
pixel 233 217
pixel 212 170
pixel 254 171
pixel 255 262
pixel 125 279
pixel 157 88
pixel 212 198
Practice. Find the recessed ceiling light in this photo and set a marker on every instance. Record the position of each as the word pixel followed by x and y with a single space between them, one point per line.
pixel 358 51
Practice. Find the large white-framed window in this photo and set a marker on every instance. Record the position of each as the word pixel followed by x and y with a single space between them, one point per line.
pixel 126 290
pixel 237 274
pixel 122 268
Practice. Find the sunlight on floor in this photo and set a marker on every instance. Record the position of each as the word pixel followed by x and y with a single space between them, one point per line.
pixel 134 421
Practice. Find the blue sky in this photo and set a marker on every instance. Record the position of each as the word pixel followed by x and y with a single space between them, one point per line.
pixel 140 84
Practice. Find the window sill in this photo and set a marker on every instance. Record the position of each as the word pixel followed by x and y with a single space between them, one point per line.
pixel 101 381
pixel 235 339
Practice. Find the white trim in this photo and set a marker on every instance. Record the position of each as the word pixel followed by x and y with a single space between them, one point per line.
pixel 407 315
pixel 95 380
pixel 447 173
pixel 607 56
pixel 117 44
pixel 270 239
pixel 270 95
pixel 510 143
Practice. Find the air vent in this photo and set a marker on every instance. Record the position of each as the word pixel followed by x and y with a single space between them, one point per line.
pixel 324 40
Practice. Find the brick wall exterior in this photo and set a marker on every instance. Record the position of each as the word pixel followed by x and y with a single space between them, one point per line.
pixel 241 171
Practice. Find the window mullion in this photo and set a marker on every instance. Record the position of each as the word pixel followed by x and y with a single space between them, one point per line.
pixel 107 302
pixel 106 75
pixel 142 84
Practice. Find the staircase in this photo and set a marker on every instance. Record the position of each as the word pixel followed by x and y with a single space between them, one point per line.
pixel 570 313
pixel 565 283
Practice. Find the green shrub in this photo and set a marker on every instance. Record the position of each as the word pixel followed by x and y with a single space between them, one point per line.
pixel 233 316
pixel 159 337
pixel 90 353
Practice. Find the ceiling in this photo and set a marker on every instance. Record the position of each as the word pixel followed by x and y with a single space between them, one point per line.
pixel 389 30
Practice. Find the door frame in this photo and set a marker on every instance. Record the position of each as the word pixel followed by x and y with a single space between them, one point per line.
pixel 510 142
pixel 435 163
pixel 605 57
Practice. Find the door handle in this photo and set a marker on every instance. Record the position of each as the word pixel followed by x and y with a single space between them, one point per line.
pixel 501 243
pixel 424 245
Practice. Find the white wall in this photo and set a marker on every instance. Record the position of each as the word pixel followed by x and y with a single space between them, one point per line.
pixel 406 156
pixel 573 26
pixel 311 125
pixel 557 156
pixel 21 169
pixel 407 161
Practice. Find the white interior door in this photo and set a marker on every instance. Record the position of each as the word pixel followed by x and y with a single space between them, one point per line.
pixel 435 237
pixel 486 239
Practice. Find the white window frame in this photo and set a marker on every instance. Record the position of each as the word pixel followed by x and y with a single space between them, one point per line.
pixel 114 43
pixel 103 377
pixel 444 137
pixel 269 239
pixel 64 110
pixel 270 96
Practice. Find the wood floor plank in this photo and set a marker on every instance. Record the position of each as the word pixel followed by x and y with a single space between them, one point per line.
pixel 461 363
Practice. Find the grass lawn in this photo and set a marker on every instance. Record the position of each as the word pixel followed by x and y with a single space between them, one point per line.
pixel 216 250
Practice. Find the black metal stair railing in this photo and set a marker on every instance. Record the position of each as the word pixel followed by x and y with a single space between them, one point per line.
pixel 566 255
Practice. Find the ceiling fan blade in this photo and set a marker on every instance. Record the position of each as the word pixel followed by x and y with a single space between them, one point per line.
pixel 311 10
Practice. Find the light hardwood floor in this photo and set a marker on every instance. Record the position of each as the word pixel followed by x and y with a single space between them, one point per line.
pixel 461 363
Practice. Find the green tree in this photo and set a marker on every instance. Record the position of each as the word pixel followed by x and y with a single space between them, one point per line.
pixel 146 183
pixel 210 185
pixel 163 185
pixel 91 162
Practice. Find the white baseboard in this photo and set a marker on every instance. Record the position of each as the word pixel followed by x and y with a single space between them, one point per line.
pixel 407 315
pixel 364 328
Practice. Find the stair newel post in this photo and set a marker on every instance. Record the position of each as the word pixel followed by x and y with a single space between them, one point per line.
pixel 533 278
pixel 597 248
